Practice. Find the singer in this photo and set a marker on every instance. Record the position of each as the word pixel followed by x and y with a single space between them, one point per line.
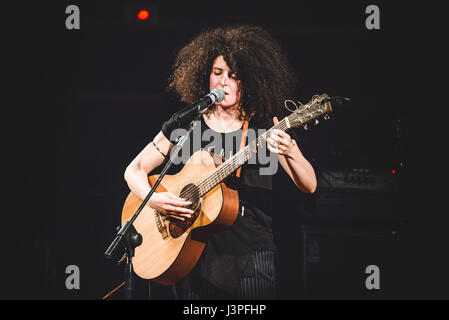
pixel 248 65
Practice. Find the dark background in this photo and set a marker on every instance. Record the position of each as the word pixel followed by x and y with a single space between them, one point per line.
pixel 95 98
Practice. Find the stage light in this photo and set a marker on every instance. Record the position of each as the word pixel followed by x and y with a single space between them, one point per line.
pixel 143 14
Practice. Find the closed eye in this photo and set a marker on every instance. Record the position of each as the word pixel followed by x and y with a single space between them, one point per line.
pixel 218 71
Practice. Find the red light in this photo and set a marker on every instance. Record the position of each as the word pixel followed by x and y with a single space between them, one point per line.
pixel 393 171
pixel 143 15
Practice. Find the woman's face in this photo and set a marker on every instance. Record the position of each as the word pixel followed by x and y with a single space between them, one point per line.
pixel 222 77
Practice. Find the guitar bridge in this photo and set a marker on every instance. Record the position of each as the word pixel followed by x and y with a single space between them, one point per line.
pixel 161 226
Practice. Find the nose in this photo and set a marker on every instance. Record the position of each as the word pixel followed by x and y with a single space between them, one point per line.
pixel 223 80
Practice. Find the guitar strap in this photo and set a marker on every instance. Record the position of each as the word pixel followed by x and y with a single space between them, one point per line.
pixel 242 143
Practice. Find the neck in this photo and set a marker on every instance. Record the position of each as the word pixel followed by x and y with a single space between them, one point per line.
pixel 228 113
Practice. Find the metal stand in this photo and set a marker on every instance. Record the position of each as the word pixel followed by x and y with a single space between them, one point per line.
pixel 132 238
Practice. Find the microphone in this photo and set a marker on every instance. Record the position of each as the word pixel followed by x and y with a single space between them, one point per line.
pixel 186 114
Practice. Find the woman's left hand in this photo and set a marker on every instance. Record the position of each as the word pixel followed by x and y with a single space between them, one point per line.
pixel 280 142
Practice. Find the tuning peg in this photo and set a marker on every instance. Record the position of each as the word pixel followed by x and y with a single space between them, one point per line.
pixel 316 122
pixel 306 127
pixel 326 117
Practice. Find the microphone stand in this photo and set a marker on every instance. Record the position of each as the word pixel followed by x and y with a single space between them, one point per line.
pixel 133 239
pixel 127 232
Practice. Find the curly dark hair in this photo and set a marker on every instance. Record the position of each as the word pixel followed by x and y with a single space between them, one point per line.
pixel 250 52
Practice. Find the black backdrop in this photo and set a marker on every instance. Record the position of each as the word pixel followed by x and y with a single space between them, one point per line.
pixel 100 100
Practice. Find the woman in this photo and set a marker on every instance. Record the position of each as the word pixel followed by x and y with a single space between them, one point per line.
pixel 248 65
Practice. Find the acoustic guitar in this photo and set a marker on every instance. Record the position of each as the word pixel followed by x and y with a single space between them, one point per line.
pixel 171 248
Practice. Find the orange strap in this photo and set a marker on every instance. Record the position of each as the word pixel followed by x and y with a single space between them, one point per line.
pixel 242 143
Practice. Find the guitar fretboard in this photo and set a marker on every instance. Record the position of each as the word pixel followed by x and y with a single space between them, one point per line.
pixel 237 160
pixel 309 112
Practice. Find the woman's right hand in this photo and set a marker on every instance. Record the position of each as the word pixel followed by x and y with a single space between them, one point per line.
pixel 170 205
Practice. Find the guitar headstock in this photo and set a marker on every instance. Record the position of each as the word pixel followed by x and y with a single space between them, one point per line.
pixel 317 107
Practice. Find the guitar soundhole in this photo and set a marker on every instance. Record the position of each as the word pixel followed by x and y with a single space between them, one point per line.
pixel 177 227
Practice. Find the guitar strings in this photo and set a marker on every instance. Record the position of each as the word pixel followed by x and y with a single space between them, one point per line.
pixel 215 176
pixel 210 180
pixel 238 158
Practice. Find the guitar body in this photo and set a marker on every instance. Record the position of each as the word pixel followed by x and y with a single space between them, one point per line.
pixel 171 248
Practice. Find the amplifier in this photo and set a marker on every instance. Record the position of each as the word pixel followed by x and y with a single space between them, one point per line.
pixel 357 194
pixel 359 180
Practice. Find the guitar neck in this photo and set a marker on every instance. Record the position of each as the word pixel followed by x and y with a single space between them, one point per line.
pixel 237 160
